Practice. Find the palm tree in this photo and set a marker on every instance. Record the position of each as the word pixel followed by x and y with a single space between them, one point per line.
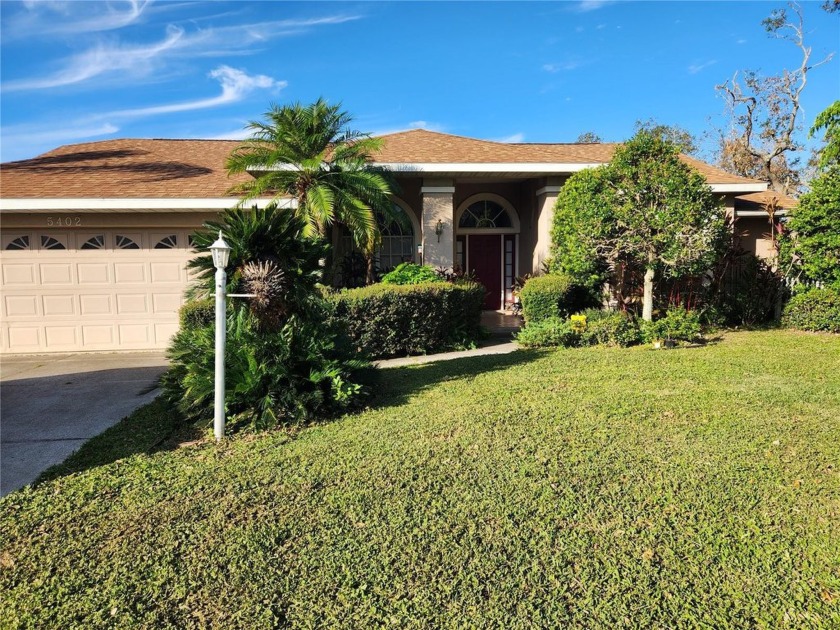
pixel 309 153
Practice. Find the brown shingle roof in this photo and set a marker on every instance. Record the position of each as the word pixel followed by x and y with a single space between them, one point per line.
pixel 421 146
pixel 123 169
pixel 138 168
pixel 757 201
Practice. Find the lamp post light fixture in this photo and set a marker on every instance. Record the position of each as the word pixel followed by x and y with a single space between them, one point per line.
pixel 221 254
pixel 439 229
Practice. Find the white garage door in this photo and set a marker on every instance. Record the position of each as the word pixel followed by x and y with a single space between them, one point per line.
pixel 97 290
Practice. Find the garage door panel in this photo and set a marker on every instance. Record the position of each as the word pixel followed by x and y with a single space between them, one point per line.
pixel 94 272
pixel 24 338
pixel 95 304
pixel 56 274
pixel 166 302
pixel 20 306
pixel 132 304
pixel 18 274
pixel 98 335
pixel 167 272
pixel 56 305
pixel 134 334
pixel 126 273
pixel 60 337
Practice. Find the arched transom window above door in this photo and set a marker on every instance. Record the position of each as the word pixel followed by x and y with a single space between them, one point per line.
pixel 487 212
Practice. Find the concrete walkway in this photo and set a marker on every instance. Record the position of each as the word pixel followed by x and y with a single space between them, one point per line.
pixel 52 404
pixel 497 346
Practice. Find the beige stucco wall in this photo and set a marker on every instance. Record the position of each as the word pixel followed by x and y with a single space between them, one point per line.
pixel 437 207
pixel 754 236
pixel 85 220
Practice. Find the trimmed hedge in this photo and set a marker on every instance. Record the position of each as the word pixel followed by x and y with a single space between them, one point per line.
pixel 552 295
pixel 395 320
pixel 411 273
pixel 600 328
pixel 197 313
pixel 816 310
pixel 547 333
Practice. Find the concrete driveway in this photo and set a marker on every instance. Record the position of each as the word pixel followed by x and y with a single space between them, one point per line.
pixel 51 404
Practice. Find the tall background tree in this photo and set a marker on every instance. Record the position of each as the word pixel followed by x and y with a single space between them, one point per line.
pixel 762 138
pixel 646 209
pixel 311 154
pixel 588 137
pixel 676 135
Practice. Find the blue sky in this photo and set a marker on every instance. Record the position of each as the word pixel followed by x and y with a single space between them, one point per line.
pixel 535 72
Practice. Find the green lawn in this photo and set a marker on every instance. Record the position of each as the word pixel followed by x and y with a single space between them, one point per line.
pixel 597 488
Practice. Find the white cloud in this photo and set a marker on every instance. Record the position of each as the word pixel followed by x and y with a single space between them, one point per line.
pixel 103 59
pixel 698 67
pixel 585 6
pixel 563 66
pixel 140 60
pixel 741 41
pixel 237 134
pixel 52 17
pixel 513 138
pixel 235 83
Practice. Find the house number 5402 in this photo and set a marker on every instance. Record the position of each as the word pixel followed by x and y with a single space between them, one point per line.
pixel 64 221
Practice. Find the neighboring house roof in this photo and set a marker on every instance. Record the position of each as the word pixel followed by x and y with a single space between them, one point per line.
pixel 756 204
pixel 147 169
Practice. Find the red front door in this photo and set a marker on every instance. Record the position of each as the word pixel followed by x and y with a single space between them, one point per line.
pixel 485 260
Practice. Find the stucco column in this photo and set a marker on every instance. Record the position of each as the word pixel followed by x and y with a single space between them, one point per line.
pixel 438 206
pixel 546 198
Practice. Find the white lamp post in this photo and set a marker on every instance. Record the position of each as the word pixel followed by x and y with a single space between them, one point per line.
pixel 221 254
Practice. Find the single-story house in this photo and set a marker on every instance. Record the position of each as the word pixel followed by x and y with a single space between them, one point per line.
pixel 95 237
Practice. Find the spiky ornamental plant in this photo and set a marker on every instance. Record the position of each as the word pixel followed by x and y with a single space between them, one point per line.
pixel 268 285
pixel 257 235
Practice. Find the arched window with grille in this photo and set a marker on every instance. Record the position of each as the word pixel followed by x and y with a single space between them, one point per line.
pixel 398 239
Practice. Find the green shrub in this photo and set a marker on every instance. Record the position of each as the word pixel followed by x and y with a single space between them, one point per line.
pixel 197 313
pixel 747 291
pixel 549 332
pixel 273 377
pixel 816 310
pixel 678 324
pixel 610 328
pixel 552 295
pixel 284 362
pixel 409 273
pixel 385 320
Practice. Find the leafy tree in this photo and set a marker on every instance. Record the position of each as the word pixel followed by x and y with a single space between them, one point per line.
pixel 763 112
pixel 583 224
pixel 646 208
pixel 309 153
pixel 588 137
pixel 676 135
pixel 828 120
pixel 815 227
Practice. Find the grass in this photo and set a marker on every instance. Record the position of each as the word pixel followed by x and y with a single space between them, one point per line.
pixel 596 488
